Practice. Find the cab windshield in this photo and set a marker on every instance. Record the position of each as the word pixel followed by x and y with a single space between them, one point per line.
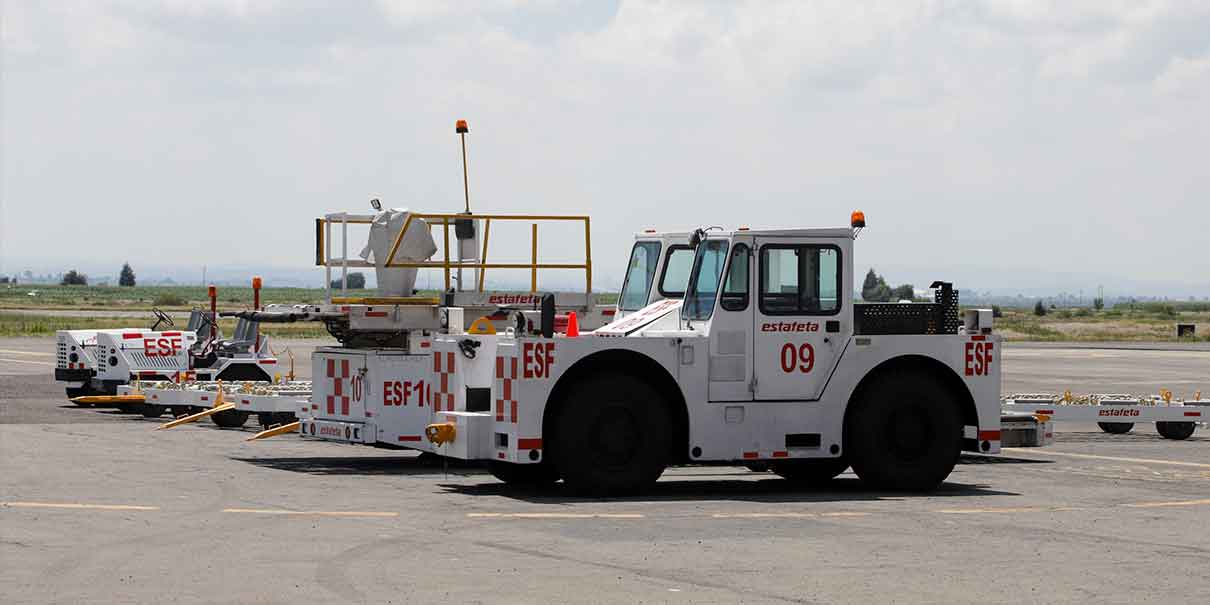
pixel 704 280
pixel 639 274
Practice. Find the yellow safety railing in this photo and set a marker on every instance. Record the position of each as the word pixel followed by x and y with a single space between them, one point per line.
pixel 448 265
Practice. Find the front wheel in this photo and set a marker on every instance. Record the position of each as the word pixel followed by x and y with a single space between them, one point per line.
pixel 230 419
pixel 152 411
pixel 1175 430
pixel 1116 428
pixel 811 471
pixel 73 392
pixel 904 432
pixel 611 436
pixel 529 475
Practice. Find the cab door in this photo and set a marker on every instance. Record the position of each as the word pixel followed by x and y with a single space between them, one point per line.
pixel 730 365
pixel 799 324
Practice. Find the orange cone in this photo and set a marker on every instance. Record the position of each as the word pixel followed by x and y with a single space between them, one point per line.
pixel 573 326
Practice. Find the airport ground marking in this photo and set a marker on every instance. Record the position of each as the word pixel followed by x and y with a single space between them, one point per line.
pixel 1168 504
pixel 79 506
pixel 1114 458
pixel 313 513
pixel 30 362
pixel 12 352
pixel 1007 509
pixel 555 516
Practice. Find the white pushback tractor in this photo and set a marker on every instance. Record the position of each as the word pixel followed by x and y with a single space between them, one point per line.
pixel 765 358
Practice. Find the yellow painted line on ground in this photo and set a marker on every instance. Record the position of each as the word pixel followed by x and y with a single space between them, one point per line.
pixel 1007 509
pixel 74 505
pixel 36 363
pixel 787 515
pixel 1114 458
pixel 314 513
pixel 12 352
pixel 555 516
pixel 1165 504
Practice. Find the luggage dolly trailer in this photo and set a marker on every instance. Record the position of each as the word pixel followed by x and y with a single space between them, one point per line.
pixel 766 358
pixel 273 403
pixel 1117 413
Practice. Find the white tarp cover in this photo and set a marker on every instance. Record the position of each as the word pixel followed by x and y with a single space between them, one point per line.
pixel 417 245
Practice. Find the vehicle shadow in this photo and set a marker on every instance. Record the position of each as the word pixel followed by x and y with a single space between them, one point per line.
pixel 729 487
pixel 403 465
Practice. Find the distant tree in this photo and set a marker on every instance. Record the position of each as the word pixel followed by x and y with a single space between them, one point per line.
pixel 1098 303
pixel 1039 309
pixel 997 311
pixel 904 292
pixel 74 278
pixel 875 288
pixel 357 281
pixel 126 278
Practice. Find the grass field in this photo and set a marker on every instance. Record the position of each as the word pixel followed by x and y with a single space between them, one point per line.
pixel 1152 322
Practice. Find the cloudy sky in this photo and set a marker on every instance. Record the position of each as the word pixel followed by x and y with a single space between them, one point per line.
pixel 1005 144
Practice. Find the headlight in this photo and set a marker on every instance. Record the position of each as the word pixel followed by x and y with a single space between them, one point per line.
pixel 113 360
pixel 73 358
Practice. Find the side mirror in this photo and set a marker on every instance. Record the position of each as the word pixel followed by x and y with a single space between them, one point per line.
pixel 696 238
pixel 377 205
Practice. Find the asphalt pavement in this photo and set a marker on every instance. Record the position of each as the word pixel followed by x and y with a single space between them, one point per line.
pixel 95 506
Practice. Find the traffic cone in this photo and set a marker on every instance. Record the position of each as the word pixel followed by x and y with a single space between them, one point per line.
pixel 573 326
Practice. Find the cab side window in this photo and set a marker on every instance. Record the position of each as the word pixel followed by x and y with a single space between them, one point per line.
pixel 735 288
pixel 799 279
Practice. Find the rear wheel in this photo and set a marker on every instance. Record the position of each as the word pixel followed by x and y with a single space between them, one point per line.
pixel 152 411
pixel 611 437
pixel 812 471
pixel 181 410
pixel 904 432
pixel 532 475
pixel 230 419
pixel 1175 430
pixel 1116 428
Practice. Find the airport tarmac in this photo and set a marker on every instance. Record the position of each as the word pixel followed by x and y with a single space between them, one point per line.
pixel 96 507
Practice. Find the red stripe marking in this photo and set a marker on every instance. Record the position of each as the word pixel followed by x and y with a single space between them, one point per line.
pixel 376 313
pixel 1193 414
pixel 449 361
pixel 750 455
pixel 979 337
pixel 529 444
pixel 781 454
pixel 344 368
pixel 331 367
pixel 512 372
pixel 424 344
pixel 499 367
pixel 409 437
pixel 513 405
pixel 1049 412
pixel 246 402
pixel 268 362
pixel 154 396
pixel 170 333
pixel 205 398
pixel 508 389
pixel 989 435
pixel 499 410
pixel 500 455
pixel 129 335
pixel 609 312
pixel 436 361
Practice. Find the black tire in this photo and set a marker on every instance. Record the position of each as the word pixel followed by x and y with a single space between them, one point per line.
pixel 528 475
pixel 181 410
pixel 1175 430
pixel 1116 428
pixel 611 436
pixel 811 472
pixel 758 467
pixel 244 371
pixel 904 432
pixel 230 419
pixel 73 392
pixel 151 411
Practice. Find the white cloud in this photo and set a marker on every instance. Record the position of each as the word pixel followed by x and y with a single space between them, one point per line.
pixel 973 133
